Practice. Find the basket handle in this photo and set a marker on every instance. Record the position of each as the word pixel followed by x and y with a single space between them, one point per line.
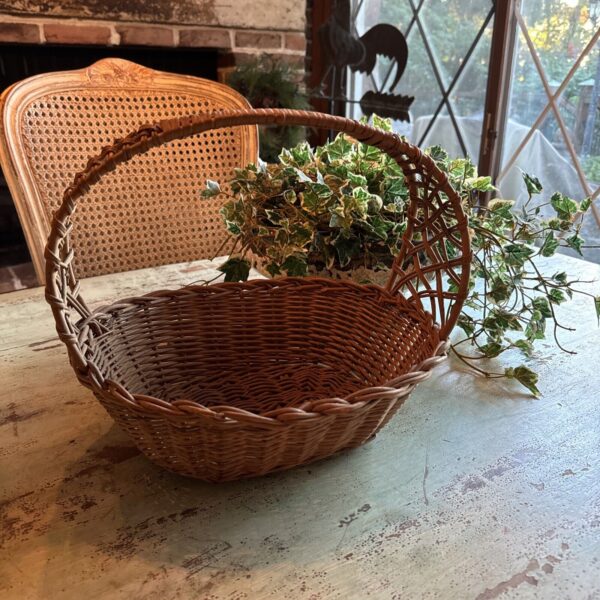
pixel 435 244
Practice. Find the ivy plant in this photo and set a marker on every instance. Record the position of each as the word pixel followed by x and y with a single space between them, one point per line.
pixel 343 205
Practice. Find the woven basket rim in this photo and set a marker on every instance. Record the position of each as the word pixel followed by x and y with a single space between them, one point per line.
pixel 230 287
pixel 150 405
pixel 195 413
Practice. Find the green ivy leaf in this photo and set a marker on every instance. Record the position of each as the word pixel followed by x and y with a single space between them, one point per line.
pixel 502 209
pixel 525 346
pixel 541 304
pixel 575 242
pixel 394 189
pixel 322 190
pixel 536 328
pixel 597 307
pixel 481 184
pixel 466 323
pixel 451 249
pixel 346 249
pixel 298 156
pixel 235 269
pixel 310 201
pixel 370 153
pixel 560 277
pixel 357 179
pixel 517 254
pixel 290 196
pixel 500 290
pixel 491 349
pixel 300 235
pixel 399 228
pixel 550 245
pixel 377 226
pixel 525 377
pixel 295 266
pixel 232 227
pixel 339 149
pixel 273 269
pixel 500 320
pixel 461 168
pixel 362 196
pixel 212 189
pixel 274 216
pixel 532 184
pixel 563 205
pixel 381 123
pixel 438 154
pixel 556 296
pixel 554 224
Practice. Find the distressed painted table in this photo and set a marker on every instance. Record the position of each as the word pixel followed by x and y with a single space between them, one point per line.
pixel 474 490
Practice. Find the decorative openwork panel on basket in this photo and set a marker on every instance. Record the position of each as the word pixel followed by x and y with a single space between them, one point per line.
pixel 147 214
pixel 238 379
pixel 431 262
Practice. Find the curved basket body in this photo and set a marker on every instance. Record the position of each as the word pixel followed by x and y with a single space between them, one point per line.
pixel 239 379
pixel 233 381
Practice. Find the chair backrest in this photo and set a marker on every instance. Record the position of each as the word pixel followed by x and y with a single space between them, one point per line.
pixel 151 212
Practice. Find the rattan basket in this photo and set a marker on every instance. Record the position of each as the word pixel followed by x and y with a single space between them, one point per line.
pixel 236 380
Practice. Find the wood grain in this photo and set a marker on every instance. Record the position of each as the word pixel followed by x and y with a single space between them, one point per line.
pixel 475 490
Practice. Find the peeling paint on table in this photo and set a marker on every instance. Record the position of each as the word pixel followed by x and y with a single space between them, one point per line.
pixel 474 490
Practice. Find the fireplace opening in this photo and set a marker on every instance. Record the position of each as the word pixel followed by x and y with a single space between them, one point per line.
pixel 19 61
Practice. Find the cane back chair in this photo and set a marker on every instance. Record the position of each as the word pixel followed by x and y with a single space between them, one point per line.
pixel 149 215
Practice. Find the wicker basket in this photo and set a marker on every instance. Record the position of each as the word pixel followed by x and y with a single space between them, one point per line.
pixel 239 379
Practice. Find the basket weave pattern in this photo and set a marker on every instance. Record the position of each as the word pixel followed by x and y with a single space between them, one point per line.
pixel 236 380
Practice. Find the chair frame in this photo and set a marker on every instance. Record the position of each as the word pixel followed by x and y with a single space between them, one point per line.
pixel 109 73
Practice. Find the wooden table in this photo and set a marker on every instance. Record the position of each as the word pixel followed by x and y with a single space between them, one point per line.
pixel 474 490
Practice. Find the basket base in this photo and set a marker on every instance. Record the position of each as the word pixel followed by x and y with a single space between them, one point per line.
pixel 203 460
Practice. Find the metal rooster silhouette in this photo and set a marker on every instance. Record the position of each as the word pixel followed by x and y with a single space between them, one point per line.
pixel 360 54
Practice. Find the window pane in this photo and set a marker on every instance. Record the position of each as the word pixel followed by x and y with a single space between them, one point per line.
pixel 564 156
pixel 450 28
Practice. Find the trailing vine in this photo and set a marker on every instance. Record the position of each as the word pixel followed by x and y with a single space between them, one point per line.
pixel 342 206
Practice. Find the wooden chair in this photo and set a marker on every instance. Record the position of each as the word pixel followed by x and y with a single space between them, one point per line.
pixel 149 211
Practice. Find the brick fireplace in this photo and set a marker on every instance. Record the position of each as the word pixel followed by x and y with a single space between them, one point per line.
pixel 206 38
pixel 237 28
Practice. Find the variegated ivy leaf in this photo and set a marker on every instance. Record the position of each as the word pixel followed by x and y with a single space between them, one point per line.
pixel 563 205
pixel 481 184
pixel 525 377
pixel 532 184
pixel 212 189
pixel 525 346
pixel 235 269
pixel 550 245
pixel 575 242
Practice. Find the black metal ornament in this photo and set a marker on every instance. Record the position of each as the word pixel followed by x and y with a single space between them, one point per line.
pixel 360 54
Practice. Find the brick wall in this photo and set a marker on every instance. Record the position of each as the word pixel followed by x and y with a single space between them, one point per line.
pixel 241 28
